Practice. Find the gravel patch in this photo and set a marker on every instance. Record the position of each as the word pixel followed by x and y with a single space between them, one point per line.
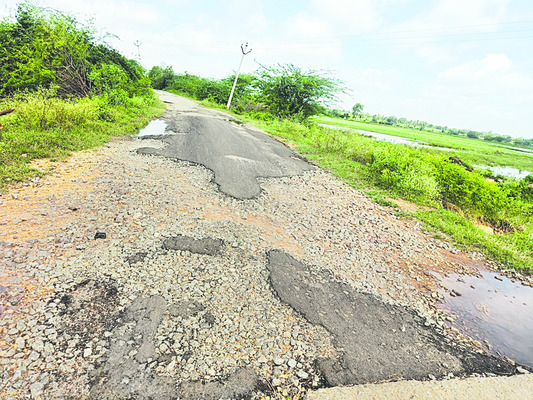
pixel 210 316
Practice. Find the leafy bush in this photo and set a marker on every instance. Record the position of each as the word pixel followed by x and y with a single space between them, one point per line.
pixel 161 78
pixel 111 80
pixel 471 192
pixel 40 49
pixel 288 91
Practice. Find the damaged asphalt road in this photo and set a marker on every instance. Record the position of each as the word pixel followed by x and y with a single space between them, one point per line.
pixel 237 155
pixel 230 268
pixel 379 341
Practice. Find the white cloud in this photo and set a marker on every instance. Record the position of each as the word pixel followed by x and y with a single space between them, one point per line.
pixel 442 33
pixel 491 91
pixel 372 71
pixel 488 69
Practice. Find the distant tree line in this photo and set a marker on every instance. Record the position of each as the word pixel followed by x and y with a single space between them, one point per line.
pixel 281 91
pixel 356 114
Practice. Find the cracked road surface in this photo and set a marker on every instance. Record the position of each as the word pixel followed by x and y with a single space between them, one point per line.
pixel 230 268
pixel 237 155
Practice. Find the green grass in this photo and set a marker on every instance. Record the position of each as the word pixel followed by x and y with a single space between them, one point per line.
pixel 43 127
pixel 472 151
pixel 371 165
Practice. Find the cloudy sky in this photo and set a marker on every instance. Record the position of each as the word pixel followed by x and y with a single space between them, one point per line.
pixel 460 63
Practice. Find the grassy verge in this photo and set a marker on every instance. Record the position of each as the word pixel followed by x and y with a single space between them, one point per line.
pixel 44 126
pixel 424 177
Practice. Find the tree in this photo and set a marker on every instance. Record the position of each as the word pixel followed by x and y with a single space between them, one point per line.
pixel 288 91
pixel 391 120
pixel 357 109
pixel 43 49
pixel 160 77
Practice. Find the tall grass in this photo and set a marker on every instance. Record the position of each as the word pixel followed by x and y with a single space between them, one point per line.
pixel 474 151
pixel 45 126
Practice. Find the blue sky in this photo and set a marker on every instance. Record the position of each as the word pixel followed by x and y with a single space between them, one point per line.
pixel 460 63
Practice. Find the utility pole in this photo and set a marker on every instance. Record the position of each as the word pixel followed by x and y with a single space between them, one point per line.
pixel 138 44
pixel 244 50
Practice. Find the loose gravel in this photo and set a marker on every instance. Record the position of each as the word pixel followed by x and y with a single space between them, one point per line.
pixel 70 303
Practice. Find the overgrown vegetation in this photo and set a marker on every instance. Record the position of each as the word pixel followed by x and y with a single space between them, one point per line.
pixel 460 198
pixel 69 90
pixel 283 91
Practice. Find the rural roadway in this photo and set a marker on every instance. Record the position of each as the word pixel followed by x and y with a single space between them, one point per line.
pixel 209 261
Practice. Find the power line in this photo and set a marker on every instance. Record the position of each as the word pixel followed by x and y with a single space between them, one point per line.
pixel 245 51
pixel 138 45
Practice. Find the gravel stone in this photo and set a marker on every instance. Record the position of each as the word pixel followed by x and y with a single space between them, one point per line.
pixel 105 315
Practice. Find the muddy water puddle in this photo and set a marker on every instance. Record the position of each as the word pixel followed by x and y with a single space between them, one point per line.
pixel 492 309
pixel 154 128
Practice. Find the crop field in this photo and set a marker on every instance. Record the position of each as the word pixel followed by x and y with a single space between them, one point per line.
pixel 472 151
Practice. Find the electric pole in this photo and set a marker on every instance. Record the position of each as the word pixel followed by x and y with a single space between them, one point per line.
pixel 244 50
pixel 138 44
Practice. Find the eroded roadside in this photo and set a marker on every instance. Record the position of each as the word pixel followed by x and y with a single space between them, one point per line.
pixel 179 296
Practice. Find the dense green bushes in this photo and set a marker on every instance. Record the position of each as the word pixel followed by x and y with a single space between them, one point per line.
pixel 41 49
pixel 69 92
pixel 284 91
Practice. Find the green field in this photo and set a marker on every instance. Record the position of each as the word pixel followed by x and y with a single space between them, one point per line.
pixel 472 151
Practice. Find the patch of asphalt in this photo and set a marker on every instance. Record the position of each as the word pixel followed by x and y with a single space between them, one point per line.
pixel 136 258
pixel 237 156
pixel 186 308
pixel 207 246
pixel 241 385
pixel 377 341
pixel 88 308
pixel 129 370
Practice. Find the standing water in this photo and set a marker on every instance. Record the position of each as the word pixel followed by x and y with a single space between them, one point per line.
pixel 154 128
pixel 494 309
pixel 506 171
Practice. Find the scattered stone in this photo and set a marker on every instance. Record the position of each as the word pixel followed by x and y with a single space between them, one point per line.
pixel 38 345
pixel 278 361
pixel 302 374
pixel 36 390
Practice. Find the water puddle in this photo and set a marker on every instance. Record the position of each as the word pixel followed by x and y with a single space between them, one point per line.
pixel 155 127
pixel 506 171
pixel 492 308
pixel 388 138
pixel 521 150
